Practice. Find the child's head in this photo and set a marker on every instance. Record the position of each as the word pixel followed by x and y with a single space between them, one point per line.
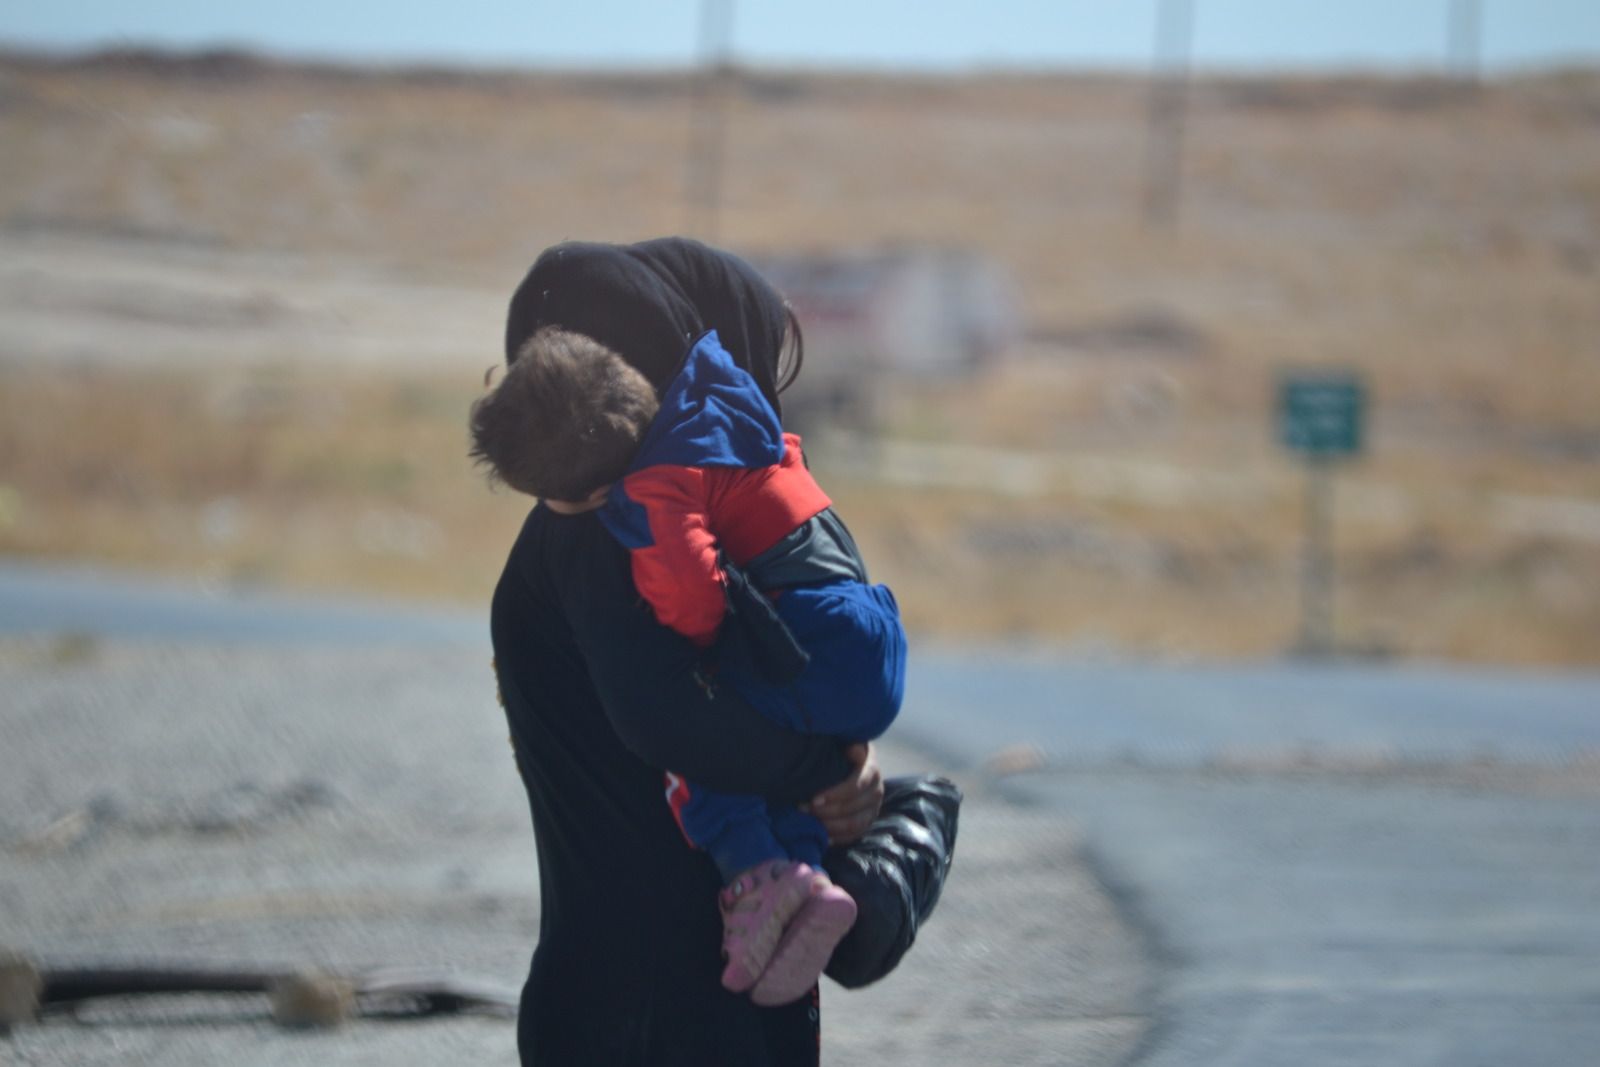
pixel 566 419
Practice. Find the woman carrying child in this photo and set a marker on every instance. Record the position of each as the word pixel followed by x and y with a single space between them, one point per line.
pixel 601 698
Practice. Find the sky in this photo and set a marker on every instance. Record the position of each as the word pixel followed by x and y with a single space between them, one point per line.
pixel 895 34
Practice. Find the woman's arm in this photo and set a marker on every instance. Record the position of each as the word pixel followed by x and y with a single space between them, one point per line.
pixel 646 677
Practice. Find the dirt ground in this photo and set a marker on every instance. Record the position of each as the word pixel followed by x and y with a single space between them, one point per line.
pixel 243 306
pixel 288 807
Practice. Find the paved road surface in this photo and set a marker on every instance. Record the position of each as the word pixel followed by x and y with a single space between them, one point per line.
pixel 1336 865
pixel 1335 921
pixel 1184 716
pixel 345 797
pixel 92 602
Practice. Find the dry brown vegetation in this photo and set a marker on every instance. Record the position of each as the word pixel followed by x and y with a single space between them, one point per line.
pixel 244 307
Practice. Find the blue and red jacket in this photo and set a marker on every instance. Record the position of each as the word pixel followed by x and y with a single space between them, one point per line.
pixel 715 471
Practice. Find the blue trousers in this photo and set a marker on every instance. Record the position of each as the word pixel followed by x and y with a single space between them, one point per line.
pixel 851 689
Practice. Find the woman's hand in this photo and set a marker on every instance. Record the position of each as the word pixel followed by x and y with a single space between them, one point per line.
pixel 847 809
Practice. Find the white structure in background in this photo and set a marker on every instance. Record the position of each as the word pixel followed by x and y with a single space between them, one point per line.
pixel 905 311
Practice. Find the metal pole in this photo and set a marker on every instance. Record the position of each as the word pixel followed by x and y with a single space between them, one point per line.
pixel 708 118
pixel 1169 99
pixel 1316 573
pixel 1465 35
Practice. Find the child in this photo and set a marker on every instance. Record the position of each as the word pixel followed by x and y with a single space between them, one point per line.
pixel 735 546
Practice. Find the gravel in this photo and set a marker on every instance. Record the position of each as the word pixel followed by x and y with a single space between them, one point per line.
pixel 290 806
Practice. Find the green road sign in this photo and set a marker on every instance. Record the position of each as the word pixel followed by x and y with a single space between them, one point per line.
pixel 1322 413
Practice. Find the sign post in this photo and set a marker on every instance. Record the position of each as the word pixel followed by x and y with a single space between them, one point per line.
pixel 1322 417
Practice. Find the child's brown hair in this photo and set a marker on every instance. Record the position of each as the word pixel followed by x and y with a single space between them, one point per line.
pixel 566 419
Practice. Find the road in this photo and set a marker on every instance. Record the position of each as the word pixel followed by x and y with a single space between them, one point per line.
pixel 1354 921
pixel 96 603
pixel 1092 714
pixel 1335 864
pixel 1332 864
pixel 275 783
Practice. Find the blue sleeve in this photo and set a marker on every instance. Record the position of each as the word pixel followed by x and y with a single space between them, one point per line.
pixel 647 680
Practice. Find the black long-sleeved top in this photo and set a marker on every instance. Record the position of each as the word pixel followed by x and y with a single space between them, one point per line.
pixel 599 698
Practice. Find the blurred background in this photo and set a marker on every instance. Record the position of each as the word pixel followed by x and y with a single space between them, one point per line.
pixel 1052 260
pixel 1271 757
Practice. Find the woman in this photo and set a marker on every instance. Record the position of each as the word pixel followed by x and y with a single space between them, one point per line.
pixel 600 698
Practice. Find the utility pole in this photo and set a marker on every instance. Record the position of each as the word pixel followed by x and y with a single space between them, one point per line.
pixel 1169 103
pixel 1464 33
pixel 708 118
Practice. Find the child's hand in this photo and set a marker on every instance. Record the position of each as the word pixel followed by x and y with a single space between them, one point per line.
pixel 847 809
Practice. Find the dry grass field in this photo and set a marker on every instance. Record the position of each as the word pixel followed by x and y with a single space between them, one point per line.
pixel 244 306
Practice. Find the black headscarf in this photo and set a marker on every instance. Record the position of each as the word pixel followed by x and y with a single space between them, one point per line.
pixel 650 301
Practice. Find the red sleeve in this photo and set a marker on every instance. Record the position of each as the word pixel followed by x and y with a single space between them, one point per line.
pixel 679 574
